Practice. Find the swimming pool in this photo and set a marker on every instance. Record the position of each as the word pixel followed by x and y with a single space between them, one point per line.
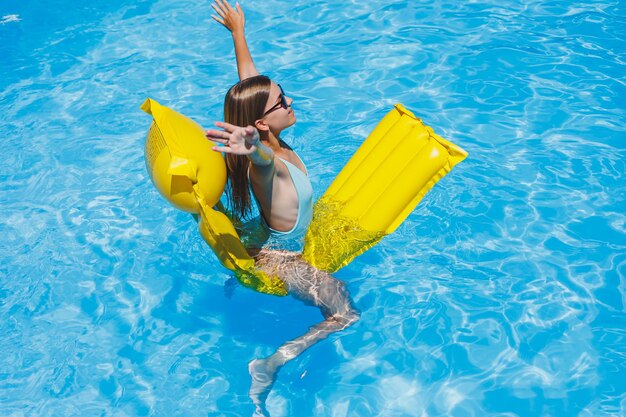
pixel 502 294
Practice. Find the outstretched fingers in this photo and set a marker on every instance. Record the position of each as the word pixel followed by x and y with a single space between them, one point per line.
pixel 226 126
pixel 218 20
pixel 222 9
pixel 217 135
pixel 219 12
pixel 219 7
pixel 222 149
pixel 224 6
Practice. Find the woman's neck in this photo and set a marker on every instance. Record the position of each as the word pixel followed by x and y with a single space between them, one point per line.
pixel 273 141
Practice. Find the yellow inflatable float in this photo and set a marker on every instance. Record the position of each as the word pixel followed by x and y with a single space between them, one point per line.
pixel 381 184
pixel 192 177
pixel 379 187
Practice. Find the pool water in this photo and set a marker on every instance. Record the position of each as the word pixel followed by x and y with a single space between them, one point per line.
pixel 502 294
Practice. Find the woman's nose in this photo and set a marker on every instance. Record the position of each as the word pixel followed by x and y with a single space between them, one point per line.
pixel 289 100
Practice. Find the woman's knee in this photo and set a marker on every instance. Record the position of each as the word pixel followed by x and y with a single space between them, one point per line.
pixel 348 318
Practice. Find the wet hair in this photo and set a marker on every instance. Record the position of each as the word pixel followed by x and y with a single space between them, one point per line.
pixel 243 105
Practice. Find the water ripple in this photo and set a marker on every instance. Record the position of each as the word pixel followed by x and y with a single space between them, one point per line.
pixel 503 294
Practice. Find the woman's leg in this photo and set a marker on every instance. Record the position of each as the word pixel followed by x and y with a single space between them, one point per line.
pixel 313 287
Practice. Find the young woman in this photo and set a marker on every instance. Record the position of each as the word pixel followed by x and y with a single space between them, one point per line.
pixel 256 111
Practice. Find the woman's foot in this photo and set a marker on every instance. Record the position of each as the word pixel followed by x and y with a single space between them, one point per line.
pixel 263 373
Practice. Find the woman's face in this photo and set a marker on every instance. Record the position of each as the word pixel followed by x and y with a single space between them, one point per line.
pixel 278 112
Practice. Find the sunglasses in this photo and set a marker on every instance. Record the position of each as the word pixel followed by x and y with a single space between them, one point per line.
pixel 282 103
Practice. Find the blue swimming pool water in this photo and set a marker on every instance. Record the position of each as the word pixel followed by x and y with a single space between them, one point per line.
pixel 503 294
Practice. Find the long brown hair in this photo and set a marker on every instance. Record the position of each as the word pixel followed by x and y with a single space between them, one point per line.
pixel 244 104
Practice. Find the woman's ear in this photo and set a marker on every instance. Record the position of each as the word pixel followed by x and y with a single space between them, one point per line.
pixel 261 125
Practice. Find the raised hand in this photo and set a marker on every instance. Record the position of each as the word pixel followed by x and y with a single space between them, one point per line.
pixel 232 19
pixel 236 140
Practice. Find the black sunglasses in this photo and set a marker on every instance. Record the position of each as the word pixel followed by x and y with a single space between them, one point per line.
pixel 283 102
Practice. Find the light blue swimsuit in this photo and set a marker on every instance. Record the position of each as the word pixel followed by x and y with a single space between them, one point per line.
pixel 292 239
pixel 305 201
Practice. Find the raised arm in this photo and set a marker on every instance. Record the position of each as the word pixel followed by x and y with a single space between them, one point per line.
pixel 234 20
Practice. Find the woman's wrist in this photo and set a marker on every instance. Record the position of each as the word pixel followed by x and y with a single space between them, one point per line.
pixel 262 156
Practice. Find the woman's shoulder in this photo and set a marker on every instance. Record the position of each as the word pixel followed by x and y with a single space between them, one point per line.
pixel 290 156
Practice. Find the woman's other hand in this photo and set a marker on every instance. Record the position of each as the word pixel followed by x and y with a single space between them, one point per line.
pixel 236 140
pixel 232 19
